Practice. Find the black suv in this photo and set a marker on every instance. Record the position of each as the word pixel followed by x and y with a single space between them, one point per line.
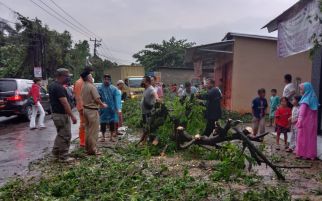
pixel 14 98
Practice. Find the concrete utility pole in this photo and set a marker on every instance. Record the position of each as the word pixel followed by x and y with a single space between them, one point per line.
pixel 96 45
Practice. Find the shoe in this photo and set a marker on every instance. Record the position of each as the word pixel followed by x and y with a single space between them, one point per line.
pixel 278 147
pixel 33 128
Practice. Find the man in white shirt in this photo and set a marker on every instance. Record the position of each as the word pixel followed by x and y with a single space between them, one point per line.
pixel 189 90
pixel 289 89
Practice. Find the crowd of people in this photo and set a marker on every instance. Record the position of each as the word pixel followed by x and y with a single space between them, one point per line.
pixel 100 108
pixel 292 113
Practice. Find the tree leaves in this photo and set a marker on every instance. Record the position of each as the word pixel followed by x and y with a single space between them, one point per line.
pixel 168 53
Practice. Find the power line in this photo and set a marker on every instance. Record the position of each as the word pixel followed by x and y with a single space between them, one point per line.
pixel 5 5
pixel 57 18
pixel 97 43
pixel 82 30
pixel 75 20
pixel 75 26
pixel 104 45
pixel 112 58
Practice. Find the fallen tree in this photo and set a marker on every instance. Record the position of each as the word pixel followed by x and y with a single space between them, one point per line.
pixel 222 134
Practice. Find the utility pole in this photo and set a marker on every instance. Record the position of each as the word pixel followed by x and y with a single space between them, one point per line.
pixel 97 43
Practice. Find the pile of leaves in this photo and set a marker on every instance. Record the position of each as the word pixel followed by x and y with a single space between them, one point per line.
pixel 125 174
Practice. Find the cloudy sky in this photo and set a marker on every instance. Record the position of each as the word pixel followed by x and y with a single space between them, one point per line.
pixel 126 26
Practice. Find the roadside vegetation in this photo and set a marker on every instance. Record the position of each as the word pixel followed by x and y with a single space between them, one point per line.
pixel 127 171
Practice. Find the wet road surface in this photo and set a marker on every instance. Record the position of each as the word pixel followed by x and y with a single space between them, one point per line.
pixel 19 145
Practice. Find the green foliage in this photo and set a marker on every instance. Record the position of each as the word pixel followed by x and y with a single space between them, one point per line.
pixel 33 44
pixel 132 114
pixel 246 118
pixel 268 194
pixel 105 178
pixel 232 164
pixel 11 58
pixel 169 53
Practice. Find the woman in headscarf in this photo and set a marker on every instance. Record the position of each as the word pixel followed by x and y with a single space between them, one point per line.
pixel 307 124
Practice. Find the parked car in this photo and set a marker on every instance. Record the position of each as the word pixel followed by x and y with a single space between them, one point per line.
pixel 14 98
pixel 98 84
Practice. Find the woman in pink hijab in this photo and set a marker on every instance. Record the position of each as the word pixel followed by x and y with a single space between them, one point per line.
pixel 307 124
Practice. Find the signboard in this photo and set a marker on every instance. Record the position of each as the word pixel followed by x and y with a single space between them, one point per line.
pixel 295 33
pixel 38 72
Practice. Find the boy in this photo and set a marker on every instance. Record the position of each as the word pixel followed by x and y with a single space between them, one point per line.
pixel 259 107
pixel 274 102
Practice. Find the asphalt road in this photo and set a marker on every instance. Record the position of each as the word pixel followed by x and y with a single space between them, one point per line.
pixel 19 145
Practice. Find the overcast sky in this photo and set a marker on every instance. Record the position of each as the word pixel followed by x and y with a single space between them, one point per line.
pixel 126 26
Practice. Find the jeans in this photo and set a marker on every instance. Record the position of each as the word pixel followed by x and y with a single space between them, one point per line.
pixel 35 108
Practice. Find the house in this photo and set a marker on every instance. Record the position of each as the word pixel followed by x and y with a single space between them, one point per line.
pixel 243 63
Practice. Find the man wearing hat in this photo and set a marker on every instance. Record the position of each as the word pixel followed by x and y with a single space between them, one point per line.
pixel 91 104
pixel 62 114
pixel 79 105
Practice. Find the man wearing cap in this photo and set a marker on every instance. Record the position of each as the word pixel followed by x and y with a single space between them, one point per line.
pixel 79 105
pixel 108 116
pixel 91 103
pixel 61 115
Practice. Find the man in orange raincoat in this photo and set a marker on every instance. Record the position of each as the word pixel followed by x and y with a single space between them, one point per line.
pixel 79 105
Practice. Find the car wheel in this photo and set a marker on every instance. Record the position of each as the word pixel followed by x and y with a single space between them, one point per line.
pixel 28 112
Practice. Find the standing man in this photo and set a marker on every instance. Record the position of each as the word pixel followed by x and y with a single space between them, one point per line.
pixel 289 90
pixel 91 103
pixel 189 90
pixel 148 100
pixel 213 106
pixel 79 105
pixel 108 94
pixel 62 114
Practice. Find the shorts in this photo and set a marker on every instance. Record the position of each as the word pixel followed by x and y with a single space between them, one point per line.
pixel 281 129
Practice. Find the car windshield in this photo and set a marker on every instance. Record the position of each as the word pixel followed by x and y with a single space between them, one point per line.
pixel 135 82
pixel 8 85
